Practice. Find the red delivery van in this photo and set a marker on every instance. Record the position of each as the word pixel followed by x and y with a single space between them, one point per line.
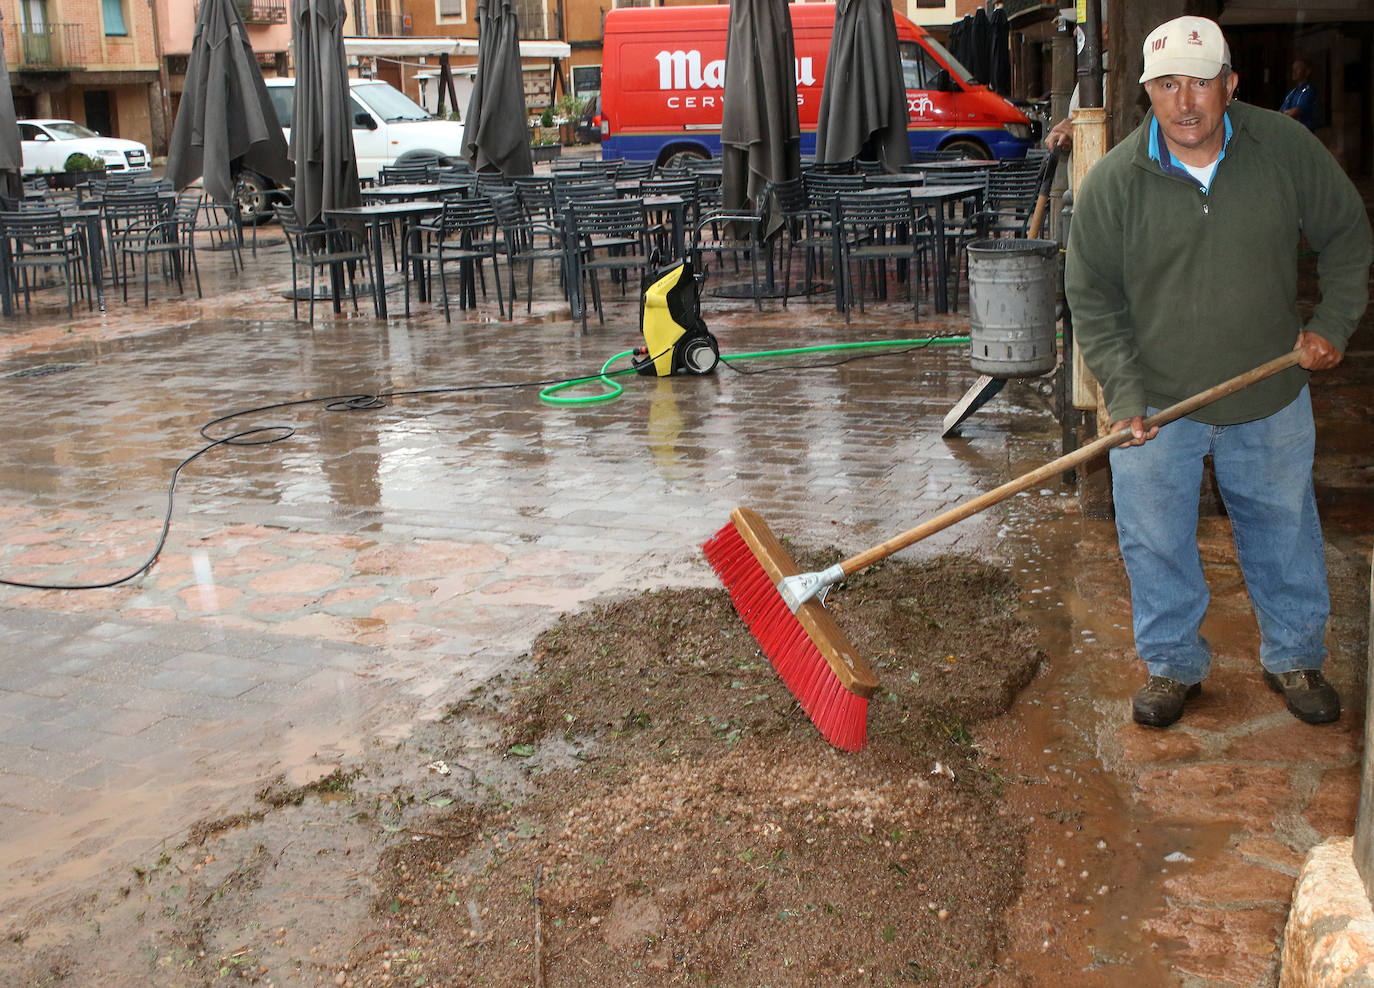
pixel 663 78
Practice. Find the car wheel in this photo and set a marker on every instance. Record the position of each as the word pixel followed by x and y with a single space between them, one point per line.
pixel 969 149
pixel 684 159
pixel 420 158
pixel 251 191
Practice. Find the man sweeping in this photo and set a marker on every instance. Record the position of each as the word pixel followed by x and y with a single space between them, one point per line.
pixel 1182 271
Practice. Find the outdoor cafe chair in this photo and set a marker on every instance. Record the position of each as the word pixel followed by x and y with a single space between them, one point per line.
pixel 581 179
pixel 675 171
pixel 804 226
pixel 659 222
pixel 42 242
pixel 535 193
pixel 527 240
pixel 398 174
pixel 489 182
pixel 876 226
pixel 1009 201
pixel 171 238
pixel 566 193
pixel 723 232
pixel 126 213
pixel 963 228
pixel 318 247
pixel 634 171
pixel 606 235
pixel 607 169
pixel 951 154
pixel 223 222
pixel 831 168
pixel 464 233
pixel 822 190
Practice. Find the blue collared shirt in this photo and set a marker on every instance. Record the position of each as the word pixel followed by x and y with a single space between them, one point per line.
pixel 1160 152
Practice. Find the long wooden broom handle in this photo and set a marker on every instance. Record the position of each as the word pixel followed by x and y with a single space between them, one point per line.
pixel 1043 186
pixel 1079 456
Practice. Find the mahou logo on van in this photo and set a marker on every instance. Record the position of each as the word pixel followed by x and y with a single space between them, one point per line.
pixel 684 70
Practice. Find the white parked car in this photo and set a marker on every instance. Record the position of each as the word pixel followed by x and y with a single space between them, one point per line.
pixel 388 128
pixel 47 144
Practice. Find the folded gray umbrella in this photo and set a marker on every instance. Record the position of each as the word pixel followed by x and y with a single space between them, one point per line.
pixel 863 99
pixel 225 121
pixel 759 134
pixel 11 153
pixel 496 130
pixel 999 52
pixel 321 128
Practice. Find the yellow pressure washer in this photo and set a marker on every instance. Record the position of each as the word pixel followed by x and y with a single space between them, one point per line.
pixel 675 336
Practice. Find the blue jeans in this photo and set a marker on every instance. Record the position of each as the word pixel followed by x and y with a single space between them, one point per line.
pixel 1264 471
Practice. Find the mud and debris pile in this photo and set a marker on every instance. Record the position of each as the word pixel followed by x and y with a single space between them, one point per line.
pixel 676 817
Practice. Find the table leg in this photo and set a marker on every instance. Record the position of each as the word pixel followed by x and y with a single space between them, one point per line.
pixel 95 250
pixel 679 231
pixel 839 270
pixel 941 267
pixel 378 282
pixel 6 299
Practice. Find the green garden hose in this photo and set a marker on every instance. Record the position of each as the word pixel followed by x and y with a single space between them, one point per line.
pixel 614 390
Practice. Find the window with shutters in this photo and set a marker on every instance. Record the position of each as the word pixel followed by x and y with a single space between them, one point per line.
pixel 453 10
pixel 112 12
pixel 530 16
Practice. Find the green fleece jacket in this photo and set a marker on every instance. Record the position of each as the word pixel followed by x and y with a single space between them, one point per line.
pixel 1174 290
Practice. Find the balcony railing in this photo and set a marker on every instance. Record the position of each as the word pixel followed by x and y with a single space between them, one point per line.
pixel 255 11
pixel 51 46
pixel 262 11
pixel 391 25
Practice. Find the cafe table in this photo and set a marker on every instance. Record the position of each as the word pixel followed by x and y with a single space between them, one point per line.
pixel 373 216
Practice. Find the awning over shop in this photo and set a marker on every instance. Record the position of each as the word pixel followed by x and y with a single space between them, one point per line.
pixel 416 47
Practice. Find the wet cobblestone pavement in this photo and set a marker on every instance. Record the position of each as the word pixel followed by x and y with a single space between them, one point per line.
pixel 334 590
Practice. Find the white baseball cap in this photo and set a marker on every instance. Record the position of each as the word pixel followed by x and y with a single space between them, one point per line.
pixel 1191 46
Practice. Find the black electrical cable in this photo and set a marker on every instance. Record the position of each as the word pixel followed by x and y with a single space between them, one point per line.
pixel 356 401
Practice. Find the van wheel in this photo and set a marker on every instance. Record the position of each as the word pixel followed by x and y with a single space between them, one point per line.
pixel 684 159
pixel 255 205
pixel 420 158
pixel 969 149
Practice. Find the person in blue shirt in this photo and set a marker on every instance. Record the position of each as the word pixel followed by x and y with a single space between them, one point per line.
pixel 1301 101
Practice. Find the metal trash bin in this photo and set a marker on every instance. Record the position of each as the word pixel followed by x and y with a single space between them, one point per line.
pixel 1011 286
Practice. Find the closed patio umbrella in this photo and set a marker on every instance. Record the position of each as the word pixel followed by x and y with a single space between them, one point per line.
pixel 980 47
pixel 11 153
pixel 863 99
pixel 759 133
pixel 999 52
pixel 321 128
pixel 496 135
pixel 225 121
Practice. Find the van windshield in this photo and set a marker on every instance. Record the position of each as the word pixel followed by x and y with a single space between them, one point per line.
pixel 921 71
pixel 390 104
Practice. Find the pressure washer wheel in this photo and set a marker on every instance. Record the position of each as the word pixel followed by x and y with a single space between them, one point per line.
pixel 700 355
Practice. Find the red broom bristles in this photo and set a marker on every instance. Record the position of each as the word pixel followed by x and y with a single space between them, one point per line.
pixel 841 716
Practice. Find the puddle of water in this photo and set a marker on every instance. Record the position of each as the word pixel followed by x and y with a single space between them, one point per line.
pixel 1096 864
pixel 102 835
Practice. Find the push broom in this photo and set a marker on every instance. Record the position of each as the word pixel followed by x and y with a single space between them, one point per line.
pixel 785 610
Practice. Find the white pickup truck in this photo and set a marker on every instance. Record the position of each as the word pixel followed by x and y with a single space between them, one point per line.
pixel 388 128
